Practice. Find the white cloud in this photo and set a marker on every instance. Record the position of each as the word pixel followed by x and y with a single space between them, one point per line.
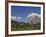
pixel 13 18
pixel 18 17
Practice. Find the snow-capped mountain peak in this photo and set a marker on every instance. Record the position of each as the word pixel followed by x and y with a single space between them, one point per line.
pixel 32 14
pixel 34 18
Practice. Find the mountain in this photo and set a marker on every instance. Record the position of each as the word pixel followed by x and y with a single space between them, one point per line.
pixel 33 18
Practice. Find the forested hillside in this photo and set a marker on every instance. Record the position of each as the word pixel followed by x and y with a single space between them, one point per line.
pixel 17 26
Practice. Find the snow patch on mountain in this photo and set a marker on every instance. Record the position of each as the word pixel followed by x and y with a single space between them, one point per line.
pixel 32 14
pixel 33 18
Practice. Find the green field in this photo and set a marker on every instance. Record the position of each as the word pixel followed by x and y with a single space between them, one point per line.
pixel 18 26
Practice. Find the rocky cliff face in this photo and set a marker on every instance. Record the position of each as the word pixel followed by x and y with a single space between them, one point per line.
pixel 33 18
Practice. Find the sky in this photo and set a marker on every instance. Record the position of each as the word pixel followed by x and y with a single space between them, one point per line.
pixel 21 12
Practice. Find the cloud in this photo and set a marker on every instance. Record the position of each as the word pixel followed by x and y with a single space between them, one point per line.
pixel 13 18
pixel 18 17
